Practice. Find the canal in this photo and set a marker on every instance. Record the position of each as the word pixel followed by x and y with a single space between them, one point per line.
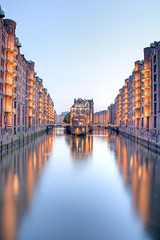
pixel 98 187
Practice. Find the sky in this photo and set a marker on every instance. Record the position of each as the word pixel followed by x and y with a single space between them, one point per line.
pixel 84 48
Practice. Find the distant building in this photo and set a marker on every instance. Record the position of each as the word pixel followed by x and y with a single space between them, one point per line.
pixel 55 116
pixel 101 117
pixel 62 116
pixel 82 112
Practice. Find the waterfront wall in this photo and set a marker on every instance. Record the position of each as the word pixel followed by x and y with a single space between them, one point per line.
pixel 147 139
pixel 11 141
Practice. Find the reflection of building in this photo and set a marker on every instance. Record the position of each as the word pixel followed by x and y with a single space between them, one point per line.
pixel 140 171
pixel 20 170
pixel 81 147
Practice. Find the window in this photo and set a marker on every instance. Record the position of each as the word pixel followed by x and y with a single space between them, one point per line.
pixel 2 62
pixel 11 30
pixel 155 108
pixel 142 122
pixel 1 111
pixel 1 87
pixel 2 74
pixel 3 50
pixel 3 38
pixel 155 120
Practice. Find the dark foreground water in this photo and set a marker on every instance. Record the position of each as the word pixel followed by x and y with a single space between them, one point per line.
pixel 102 187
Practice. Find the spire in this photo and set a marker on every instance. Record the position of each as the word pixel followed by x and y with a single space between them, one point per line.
pixel 2 13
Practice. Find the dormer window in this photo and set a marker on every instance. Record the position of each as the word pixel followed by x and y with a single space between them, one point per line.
pixel 11 30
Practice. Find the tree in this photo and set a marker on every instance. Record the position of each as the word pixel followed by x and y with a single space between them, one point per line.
pixel 67 118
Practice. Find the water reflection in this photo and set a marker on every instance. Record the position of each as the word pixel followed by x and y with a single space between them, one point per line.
pixel 140 170
pixel 59 131
pixel 80 147
pixel 121 187
pixel 19 172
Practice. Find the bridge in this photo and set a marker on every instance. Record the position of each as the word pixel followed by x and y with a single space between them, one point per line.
pixel 105 125
pixel 59 124
pixel 97 125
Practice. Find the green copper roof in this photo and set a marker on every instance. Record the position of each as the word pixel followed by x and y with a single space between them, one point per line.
pixel 19 44
pixel 152 45
pixel 2 14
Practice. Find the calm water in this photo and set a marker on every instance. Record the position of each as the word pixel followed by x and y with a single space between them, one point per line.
pixel 98 187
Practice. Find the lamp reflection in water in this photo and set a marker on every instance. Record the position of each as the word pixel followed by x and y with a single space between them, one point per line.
pixel 80 147
pixel 20 170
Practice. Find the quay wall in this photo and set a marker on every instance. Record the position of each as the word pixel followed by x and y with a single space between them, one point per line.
pixel 11 141
pixel 144 139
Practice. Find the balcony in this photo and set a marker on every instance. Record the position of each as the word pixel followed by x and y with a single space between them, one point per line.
pixel 10 82
pixel 137 106
pixel 30 105
pixel 147 114
pixel 146 86
pixel 13 50
pixel 136 86
pixel 13 62
pixel 146 103
pixel 137 93
pixel 31 99
pixel 136 100
pixel 137 79
pixel 8 125
pixel 10 94
pixel 40 95
pixel 31 92
pixel 32 79
pixel 40 100
pixel 8 110
pixel 146 78
pixel 146 70
pixel 146 95
pixel 11 72
pixel 31 86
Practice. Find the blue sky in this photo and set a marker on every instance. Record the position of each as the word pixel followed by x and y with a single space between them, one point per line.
pixel 84 48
